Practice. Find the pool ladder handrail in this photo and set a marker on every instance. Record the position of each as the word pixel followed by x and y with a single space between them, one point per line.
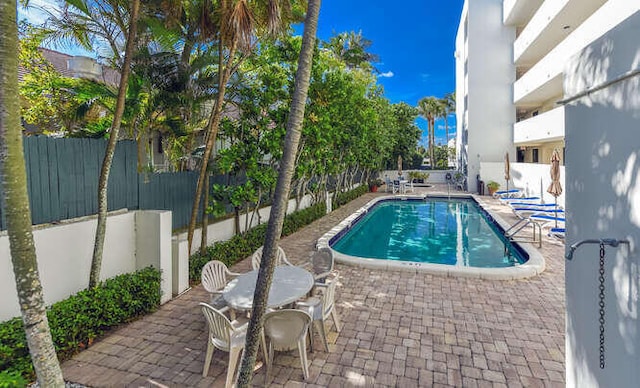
pixel 519 226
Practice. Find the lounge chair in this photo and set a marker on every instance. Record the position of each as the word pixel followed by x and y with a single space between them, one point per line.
pixel 531 204
pixel 513 193
pixel 524 211
pixel 557 233
pixel 545 219
pixel 520 199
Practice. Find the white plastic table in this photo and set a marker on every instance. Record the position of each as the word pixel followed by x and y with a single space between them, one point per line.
pixel 288 285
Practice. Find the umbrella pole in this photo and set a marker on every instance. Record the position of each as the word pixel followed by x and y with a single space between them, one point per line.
pixel 556 211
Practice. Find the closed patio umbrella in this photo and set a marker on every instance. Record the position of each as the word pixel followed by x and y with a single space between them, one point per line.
pixel 399 165
pixel 507 169
pixel 555 188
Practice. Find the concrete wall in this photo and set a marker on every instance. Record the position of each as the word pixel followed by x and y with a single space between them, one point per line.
pixel 533 178
pixel 64 254
pixel 603 201
pixel 489 78
pixel 134 240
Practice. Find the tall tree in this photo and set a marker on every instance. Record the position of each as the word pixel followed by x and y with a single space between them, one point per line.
pixel 239 22
pixel 351 48
pixel 96 262
pixel 449 107
pixel 431 109
pixel 276 218
pixel 14 186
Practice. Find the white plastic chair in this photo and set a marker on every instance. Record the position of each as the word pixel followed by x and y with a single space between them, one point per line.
pixel 281 258
pixel 388 184
pixel 286 330
pixel 214 278
pixel 322 264
pixel 409 186
pixel 320 307
pixel 395 187
pixel 228 336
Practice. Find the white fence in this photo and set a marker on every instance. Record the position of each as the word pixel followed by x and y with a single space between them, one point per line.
pixel 533 178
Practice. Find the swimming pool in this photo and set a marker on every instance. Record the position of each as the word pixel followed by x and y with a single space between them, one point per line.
pixel 451 235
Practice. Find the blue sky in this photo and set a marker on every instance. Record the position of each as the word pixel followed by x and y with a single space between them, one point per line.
pixel 415 40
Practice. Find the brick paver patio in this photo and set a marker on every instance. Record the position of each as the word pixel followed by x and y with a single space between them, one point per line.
pixel 400 329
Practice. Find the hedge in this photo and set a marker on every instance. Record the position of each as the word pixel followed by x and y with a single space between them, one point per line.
pixel 348 196
pixel 75 322
pixel 240 246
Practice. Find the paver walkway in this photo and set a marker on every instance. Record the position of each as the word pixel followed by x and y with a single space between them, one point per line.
pixel 400 329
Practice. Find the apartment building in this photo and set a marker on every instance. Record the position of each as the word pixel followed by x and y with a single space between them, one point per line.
pixel 575 87
pixel 510 62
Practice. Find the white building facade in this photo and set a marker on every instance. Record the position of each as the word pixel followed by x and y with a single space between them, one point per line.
pixel 510 58
pixel 575 76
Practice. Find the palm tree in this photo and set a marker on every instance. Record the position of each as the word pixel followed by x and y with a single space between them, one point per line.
pixel 431 109
pixel 352 48
pixel 238 23
pixel 101 228
pixel 276 218
pixel 14 185
pixel 449 106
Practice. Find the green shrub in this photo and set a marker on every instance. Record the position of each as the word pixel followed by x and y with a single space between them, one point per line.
pixel 348 196
pixel 12 380
pixel 243 245
pixel 76 321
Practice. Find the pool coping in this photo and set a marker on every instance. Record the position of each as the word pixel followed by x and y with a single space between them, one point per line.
pixel 534 266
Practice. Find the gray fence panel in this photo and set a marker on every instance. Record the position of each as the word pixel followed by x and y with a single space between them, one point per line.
pixel 169 191
pixel 62 180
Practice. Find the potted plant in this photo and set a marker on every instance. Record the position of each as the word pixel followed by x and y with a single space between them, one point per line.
pixel 493 186
pixel 374 184
pixel 418 177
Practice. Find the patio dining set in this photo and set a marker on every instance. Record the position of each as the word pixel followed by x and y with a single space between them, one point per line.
pixel 300 298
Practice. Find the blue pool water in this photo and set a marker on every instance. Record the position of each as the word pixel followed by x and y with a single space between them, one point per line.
pixel 441 231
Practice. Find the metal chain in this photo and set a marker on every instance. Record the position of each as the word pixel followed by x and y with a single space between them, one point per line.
pixel 601 304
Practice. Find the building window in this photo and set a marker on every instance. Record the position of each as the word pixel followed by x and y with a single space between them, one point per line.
pixel 520 155
pixel 534 155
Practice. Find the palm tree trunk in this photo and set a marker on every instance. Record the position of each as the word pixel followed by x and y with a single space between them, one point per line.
pixel 224 72
pixel 101 228
pixel 14 186
pixel 276 219
pixel 431 143
pixel 446 132
pixel 205 217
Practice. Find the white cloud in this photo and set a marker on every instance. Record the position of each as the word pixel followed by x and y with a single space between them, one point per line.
pixel 388 74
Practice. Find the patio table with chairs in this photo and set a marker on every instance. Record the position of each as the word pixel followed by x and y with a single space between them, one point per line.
pixel 291 308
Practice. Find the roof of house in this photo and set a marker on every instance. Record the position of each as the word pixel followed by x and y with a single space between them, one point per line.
pixel 77 67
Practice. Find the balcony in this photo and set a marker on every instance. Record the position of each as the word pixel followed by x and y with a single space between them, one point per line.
pixel 545 127
pixel 551 23
pixel 544 80
pixel 518 12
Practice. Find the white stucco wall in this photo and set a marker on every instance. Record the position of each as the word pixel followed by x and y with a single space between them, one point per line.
pixel 490 74
pixel 533 178
pixel 603 201
pixel 64 258
pixel 153 246
pixel 133 240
